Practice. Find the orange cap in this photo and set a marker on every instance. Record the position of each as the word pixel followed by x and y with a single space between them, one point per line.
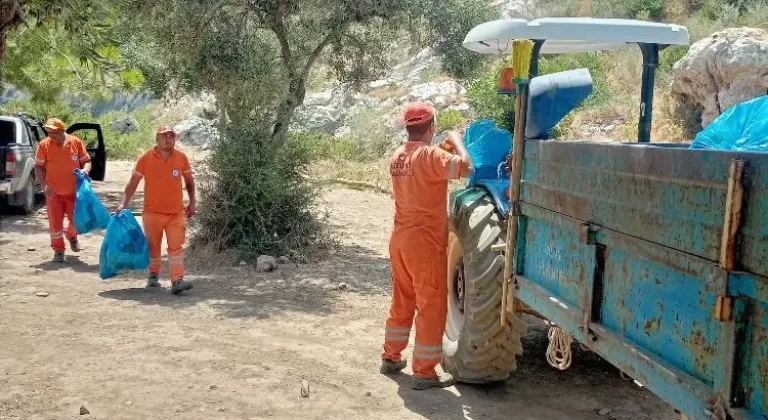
pixel 54 124
pixel 417 113
pixel 163 129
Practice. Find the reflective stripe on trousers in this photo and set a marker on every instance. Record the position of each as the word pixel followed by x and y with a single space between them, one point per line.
pixel 58 207
pixel 419 280
pixel 174 227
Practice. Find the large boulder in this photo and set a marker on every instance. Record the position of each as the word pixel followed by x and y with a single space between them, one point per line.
pixel 197 132
pixel 722 70
pixel 124 125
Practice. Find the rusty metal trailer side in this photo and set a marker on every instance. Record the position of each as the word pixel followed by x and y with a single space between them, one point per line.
pixel 655 257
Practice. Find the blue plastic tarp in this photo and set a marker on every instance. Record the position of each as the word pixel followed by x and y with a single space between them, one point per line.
pixel 742 127
pixel 90 214
pixel 489 147
pixel 124 247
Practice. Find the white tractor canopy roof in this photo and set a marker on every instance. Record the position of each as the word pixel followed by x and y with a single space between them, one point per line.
pixel 572 35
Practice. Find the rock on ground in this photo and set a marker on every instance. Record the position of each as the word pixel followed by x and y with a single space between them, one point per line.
pixel 197 132
pixel 266 263
pixel 722 70
pixel 124 125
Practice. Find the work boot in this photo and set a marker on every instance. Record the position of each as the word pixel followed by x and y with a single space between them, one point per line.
pixel 388 367
pixel 152 280
pixel 443 380
pixel 180 286
pixel 58 257
pixel 74 244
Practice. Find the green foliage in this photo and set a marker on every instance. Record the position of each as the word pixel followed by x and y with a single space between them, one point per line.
pixel 450 119
pixel 255 199
pixel 323 146
pixel 669 56
pixel 448 22
pixel 372 135
pixel 129 145
pixel 596 62
pixel 650 9
pixel 486 103
pixel 66 47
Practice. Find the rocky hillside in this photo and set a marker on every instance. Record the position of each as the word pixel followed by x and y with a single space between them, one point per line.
pixel 335 109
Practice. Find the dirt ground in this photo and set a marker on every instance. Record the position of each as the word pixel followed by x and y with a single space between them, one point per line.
pixel 239 344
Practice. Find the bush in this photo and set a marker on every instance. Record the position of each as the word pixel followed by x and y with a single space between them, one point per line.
pixel 670 56
pixel 597 64
pixel 371 136
pixel 450 119
pixel 486 103
pixel 255 197
pixel 129 145
pixel 319 145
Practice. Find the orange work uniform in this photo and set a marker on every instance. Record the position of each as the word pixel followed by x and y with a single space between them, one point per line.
pixel 417 249
pixel 60 162
pixel 164 210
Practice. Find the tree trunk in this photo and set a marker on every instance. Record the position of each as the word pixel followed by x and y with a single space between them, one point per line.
pixel 10 18
pixel 294 98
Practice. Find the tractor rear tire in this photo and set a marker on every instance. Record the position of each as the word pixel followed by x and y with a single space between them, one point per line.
pixel 476 348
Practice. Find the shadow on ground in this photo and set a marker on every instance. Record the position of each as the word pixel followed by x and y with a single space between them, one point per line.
pixel 533 380
pixel 73 263
pixel 241 292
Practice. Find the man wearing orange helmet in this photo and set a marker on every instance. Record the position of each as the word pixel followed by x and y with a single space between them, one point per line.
pixel 162 169
pixel 419 176
pixel 56 159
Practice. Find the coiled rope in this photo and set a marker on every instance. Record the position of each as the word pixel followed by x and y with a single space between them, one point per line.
pixel 559 348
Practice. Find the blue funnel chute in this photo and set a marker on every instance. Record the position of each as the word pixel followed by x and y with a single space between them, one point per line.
pixel 552 97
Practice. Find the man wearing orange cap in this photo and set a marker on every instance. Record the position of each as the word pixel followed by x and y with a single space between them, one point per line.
pixel 419 175
pixel 162 169
pixel 56 159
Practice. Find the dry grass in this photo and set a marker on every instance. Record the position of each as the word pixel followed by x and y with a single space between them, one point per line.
pixel 389 92
pixel 352 174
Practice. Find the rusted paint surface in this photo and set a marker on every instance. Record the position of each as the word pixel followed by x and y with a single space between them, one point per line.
pixel 660 309
pixel 674 197
pixel 647 278
pixel 680 389
pixel 755 380
pixel 555 259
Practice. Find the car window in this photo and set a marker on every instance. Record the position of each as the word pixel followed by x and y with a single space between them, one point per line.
pixel 30 137
pixel 40 132
pixel 7 132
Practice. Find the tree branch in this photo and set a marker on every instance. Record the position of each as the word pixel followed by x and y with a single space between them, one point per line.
pixel 282 37
pixel 319 50
pixel 71 63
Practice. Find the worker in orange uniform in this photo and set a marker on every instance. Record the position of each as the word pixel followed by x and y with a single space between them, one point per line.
pixel 56 159
pixel 162 169
pixel 419 176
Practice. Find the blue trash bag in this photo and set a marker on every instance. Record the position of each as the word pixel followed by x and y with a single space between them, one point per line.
pixel 488 146
pixel 742 128
pixel 90 214
pixel 124 247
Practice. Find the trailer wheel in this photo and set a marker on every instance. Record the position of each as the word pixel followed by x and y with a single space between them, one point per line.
pixel 476 348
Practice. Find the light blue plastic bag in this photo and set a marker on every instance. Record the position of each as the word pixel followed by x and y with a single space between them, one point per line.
pixel 124 247
pixel 742 128
pixel 488 146
pixel 90 214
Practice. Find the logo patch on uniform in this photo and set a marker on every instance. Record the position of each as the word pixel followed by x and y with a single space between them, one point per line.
pixel 175 173
pixel 73 157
